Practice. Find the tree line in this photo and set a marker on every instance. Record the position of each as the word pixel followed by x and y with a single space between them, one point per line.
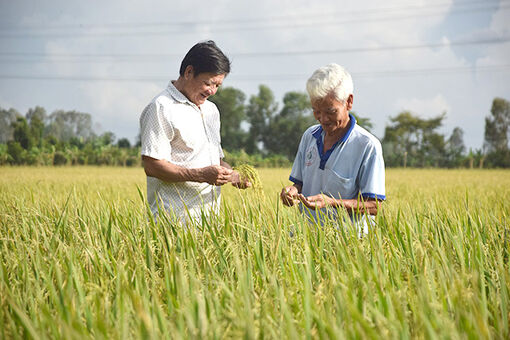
pixel 409 141
pixel 61 138
pixel 254 130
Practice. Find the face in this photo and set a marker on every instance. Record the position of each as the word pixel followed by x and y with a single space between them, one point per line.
pixel 200 87
pixel 332 114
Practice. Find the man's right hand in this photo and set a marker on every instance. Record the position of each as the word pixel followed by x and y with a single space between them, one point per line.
pixel 215 174
pixel 288 195
pixel 171 173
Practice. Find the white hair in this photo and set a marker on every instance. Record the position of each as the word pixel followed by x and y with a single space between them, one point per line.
pixel 330 78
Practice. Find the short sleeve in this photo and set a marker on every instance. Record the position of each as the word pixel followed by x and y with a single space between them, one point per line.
pixel 371 177
pixel 218 132
pixel 296 174
pixel 220 150
pixel 156 132
pixel 214 126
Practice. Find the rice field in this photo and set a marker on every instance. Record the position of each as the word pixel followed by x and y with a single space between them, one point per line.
pixel 80 258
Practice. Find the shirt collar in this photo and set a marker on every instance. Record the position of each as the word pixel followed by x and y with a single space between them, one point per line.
pixel 324 155
pixel 317 133
pixel 176 94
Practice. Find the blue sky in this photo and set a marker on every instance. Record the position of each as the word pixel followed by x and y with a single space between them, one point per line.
pixel 110 58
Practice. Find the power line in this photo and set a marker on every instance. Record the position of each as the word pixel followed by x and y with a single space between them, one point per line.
pixel 269 18
pixel 435 71
pixel 281 77
pixel 153 57
pixel 279 25
pixel 383 48
pixel 389 73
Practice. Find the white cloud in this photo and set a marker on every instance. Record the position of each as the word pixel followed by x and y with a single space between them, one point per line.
pixel 500 22
pixel 6 104
pixel 424 107
pixel 55 66
pixel 118 106
pixel 466 96
pixel 497 54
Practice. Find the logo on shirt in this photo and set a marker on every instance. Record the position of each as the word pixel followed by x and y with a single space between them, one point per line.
pixel 309 157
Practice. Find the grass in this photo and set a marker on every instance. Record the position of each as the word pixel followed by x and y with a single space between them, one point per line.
pixel 81 259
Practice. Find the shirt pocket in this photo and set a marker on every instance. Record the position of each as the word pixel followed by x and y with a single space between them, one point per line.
pixel 190 132
pixel 339 186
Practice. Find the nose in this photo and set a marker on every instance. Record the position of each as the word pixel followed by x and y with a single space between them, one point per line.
pixel 211 90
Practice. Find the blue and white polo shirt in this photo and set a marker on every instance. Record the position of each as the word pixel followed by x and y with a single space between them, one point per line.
pixel 354 165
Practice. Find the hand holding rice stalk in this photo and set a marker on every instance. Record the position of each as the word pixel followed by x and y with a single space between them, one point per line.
pixel 247 173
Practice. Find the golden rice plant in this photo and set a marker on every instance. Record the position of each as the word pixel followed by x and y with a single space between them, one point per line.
pixel 81 257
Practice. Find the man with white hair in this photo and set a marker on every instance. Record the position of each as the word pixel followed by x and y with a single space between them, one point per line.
pixel 339 165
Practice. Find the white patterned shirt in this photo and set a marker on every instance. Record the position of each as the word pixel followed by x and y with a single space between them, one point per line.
pixel 174 129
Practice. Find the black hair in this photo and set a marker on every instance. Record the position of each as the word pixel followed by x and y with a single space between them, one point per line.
pixel 206 57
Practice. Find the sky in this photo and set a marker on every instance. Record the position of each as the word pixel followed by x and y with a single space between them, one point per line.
pixel 110 58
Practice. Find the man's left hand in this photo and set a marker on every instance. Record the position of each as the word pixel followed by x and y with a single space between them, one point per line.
pixel 235 179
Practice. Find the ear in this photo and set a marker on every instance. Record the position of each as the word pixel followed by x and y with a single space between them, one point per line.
pixel 188 72
pixel 349 102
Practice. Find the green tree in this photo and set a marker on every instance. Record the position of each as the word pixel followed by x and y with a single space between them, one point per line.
pixel 412 141
pixel 363 122
pixel 22 133
pixel 7 118
pixel 123 143
pixel 36 118
pixel 67 124
pixel 60 158
pixel 260 110
pixel 107 138
pixel 455 148
pixel 399 139
pixel 230 103
pixel 67 138
pixel 286 128
pixel 433 152
pixel 4 154
pixel 16 152
pixel 497 126
pixel 497 129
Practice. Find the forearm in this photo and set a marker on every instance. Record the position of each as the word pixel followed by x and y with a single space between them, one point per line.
pixel 169 172
pixel 361 206
pixel 298 187
pixel 225 164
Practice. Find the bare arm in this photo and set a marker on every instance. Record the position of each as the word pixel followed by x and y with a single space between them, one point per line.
pixel 367 205
pixel 168 172
pixel 225 164
pixel 363 205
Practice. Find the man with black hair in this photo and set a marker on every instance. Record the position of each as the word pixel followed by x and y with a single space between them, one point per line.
pixel 180 135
